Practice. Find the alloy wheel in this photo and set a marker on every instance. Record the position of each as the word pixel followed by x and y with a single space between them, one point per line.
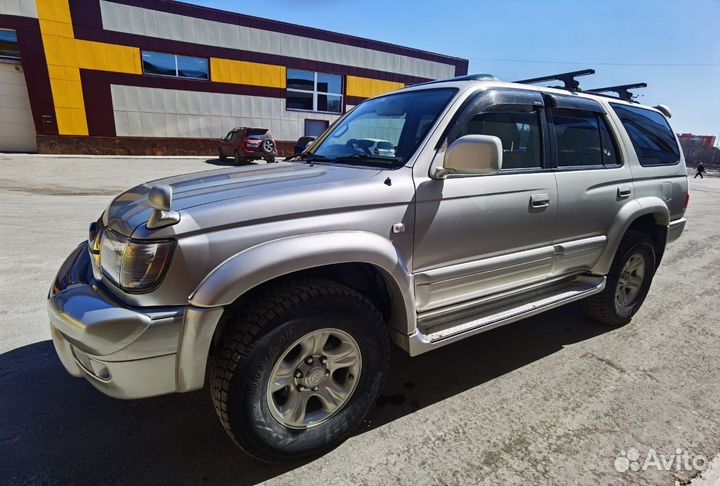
pixel 314 378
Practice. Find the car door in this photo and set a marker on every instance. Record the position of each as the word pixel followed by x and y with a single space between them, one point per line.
pixel 479 235
pixel 593 182
pixel 225 143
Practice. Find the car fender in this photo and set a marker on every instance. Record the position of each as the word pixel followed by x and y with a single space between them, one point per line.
pixel 266 261
pixel 626 216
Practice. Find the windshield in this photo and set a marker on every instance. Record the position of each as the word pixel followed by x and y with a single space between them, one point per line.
pixel 383 131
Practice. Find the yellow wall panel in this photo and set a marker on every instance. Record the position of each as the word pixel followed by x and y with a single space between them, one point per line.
pixel 368 88
pixel 243 72
pixel 72 74
pixel 69 51
pixel 84 54
pixel 67 94
pixel 56 72
pixel 71 121
pixel 60 97
pixel 53 50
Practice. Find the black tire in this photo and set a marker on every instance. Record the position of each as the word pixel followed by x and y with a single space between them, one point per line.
pixel 270 160
pixel 239 160
pixel 255 338
pixel 221 155
pixel 603 307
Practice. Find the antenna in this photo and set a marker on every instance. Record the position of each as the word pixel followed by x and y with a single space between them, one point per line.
pixel 622 91
pixel 568 79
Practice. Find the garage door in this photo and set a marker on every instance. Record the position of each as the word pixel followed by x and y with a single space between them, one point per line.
pixel 17 130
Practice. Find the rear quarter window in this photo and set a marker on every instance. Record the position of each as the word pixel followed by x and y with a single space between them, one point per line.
pixel 650 134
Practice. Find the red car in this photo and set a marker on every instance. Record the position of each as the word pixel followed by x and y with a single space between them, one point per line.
pixel 245 144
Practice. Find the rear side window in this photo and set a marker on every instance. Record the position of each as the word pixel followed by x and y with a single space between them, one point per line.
pixel 650 134
pixel 517 129
pixel 583 139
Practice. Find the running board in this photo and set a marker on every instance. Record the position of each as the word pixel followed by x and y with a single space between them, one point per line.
pixel 437 328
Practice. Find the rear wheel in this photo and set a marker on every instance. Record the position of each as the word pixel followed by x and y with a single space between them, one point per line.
pixel 628 282
pixel 270 160
pixel 298 371
pixel 239 159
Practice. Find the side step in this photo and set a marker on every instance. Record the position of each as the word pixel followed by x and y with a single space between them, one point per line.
pixel 444 326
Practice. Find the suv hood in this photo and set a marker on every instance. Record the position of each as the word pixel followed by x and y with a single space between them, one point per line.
pixel 131 209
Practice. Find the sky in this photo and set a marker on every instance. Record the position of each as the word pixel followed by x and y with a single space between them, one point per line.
pixel 672 45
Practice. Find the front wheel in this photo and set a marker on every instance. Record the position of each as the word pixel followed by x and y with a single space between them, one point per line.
pixel 221 154
pixel 628 282
pixel 299 370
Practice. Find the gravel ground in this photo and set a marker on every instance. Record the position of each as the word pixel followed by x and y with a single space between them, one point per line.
pixel 552 399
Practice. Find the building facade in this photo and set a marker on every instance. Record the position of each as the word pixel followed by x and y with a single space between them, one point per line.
pixel 164 77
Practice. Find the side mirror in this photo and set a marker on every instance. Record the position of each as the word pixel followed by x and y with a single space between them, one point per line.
pixel 160 199
pixel 471 155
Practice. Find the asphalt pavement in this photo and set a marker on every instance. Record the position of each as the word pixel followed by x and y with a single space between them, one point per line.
pixel 554 399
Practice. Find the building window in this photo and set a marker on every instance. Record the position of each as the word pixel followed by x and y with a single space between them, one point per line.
pixel 311 91
pixel 9 49
pixel 163 64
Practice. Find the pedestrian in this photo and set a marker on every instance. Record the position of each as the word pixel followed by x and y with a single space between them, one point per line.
pixel 700 170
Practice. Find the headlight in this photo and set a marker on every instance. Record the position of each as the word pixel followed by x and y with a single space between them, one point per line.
pixel 133 265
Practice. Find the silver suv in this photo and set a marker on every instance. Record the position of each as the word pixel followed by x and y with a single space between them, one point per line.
pixel 283 286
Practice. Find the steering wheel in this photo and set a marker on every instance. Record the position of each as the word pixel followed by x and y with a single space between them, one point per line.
pixel 355 144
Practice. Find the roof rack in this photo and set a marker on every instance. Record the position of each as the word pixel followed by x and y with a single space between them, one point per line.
pixel 568 79
pixel 467 77
pixel 622 91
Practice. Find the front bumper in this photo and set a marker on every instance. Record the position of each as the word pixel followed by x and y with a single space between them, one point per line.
pixel 125 352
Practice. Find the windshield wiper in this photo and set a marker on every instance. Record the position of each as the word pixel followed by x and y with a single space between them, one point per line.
pixel 368 157
pixel 308 157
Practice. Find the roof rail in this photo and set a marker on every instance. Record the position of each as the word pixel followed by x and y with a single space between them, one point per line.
pixel 467 77
pixel 568 79
pixel 622 91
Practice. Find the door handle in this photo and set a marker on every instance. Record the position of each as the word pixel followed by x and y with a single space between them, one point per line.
pixel 540 200
pixel 624 191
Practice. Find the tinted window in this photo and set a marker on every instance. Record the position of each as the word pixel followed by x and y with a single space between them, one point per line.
pixel 582 139
pixel 300 79
pixel 299 101
pixel 163 64
pixel 518 130
pixel 257 133
pixel 329 83
pixel 158 63
pixel 329 103
pixel 9 44
pixel 650 134
pixel 311 91
pixel 192 67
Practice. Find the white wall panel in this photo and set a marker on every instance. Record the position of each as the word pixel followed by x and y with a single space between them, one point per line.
pixel 124 18
pixel 158 112
pixel 21 8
